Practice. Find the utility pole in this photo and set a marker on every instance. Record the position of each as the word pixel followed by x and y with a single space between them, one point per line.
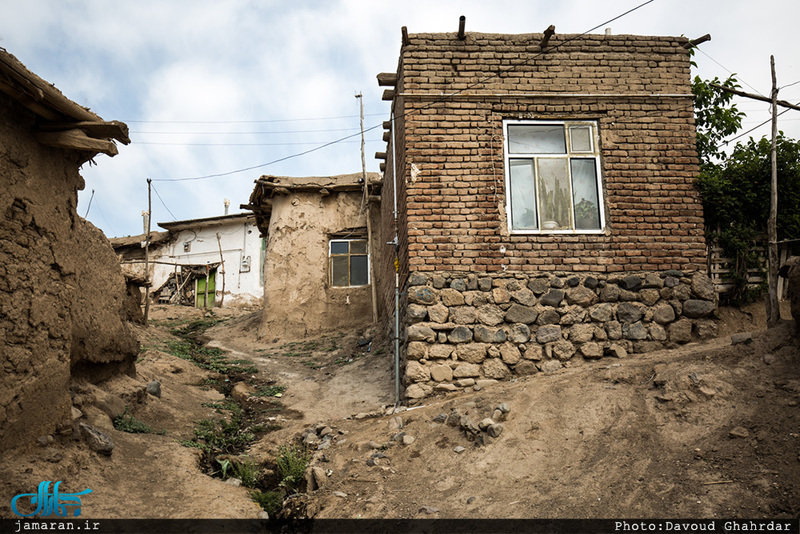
pixel 773 307
pixel 365 205
pixel 147 254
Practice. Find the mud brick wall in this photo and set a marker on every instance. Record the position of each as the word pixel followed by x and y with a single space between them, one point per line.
pixel 464 329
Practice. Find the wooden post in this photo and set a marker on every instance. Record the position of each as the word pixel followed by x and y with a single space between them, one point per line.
pixel 147 255
pixel 366 207
pixel 222 264
pixel 773 307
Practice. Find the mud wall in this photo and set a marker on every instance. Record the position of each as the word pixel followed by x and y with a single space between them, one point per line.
pixel 61 289
pixel 298 297
pixel 463 328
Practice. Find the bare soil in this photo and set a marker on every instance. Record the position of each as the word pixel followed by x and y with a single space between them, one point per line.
pixel 707 430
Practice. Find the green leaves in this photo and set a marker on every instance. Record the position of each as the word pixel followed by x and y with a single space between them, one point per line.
pixel 715 117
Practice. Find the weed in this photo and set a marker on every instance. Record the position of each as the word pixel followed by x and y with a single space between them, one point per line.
pixel 292 461
pixel 248 471
pixel 269 501
pixel 224 466
pixel 128 423
pixel 269 391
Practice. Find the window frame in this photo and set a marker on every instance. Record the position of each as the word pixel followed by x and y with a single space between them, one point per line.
pixel 349 255
pixel 568 156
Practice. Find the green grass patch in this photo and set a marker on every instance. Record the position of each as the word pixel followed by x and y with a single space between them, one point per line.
pixel 269 501
pixel 128 423
pixel 292 461
pixel 269 391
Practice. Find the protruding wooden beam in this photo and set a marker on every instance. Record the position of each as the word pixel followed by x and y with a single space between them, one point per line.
pixel 462 22
pixel 387 79
pixel 406 40
pixel 387 136
pixel 383 167
pixel 548 33
pixel 98 129
pixel 77 140
pixel 387 125
pixel 388 94
pixel 380 155
pixel 699 40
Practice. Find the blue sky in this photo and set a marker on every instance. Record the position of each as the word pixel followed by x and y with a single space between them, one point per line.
pixel 209 87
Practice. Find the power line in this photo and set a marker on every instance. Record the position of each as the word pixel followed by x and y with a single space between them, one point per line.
pixel 729 70
pixel 262 121
pixel 240 144
pixel 163 203
pixel 189 132
pixel 435 102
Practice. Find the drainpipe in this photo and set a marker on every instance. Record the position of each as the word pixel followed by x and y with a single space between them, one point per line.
pixel 396 244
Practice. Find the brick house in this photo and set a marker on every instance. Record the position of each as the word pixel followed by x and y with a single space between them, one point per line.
pixel 545 203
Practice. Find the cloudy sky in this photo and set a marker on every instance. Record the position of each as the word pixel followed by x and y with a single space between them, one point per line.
pixel 211 87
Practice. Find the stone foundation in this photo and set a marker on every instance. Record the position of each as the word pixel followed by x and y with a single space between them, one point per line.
pixel 464 329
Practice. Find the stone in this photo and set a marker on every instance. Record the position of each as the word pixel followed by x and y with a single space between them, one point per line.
pixel 695 309
pixel 614 330
pixel 463 314
pixel 574 315
pixel 472 282
pixel 671 281
pixel 500 295
pixel 573 281
pixel 489 335
pixel 504 407
pixel 744 337
pixel 454 418
pixel 524 296
pixel 601 313
pixel 550 366
pixel 663 313
pixel 471 352
pixel 417 313
pixel 460 334
pixel 235 482
pixel 418 391
pixel 494 368
pixel 682 292
pixel 618 351
pixel 112 405
pixel 438 281
pixel 563 350
pixel 631 283
pixel 657 332
pixel 154 388
pixel 97 440
pixel 408 440
pixel 440 419
pixel 548 316
pixel 636 331
pixel 538 286
pixel 75 413
pixel 557 282
pixel 552 298
pixel 490 315
pixel 706 328
pixel 680 331
pixel 548 333
pixel 465 382
pixel 417 350
pixel 518 313
pixel 417 332
pixel 672 272
pixel 340 494
pixel 649 296
pixel 525 368
pixel 319 476
pixel 493 351
pixel 438 313
pixel 510 353
pixel 591 350
pixel 441 373
pixel 703 288
pixel 485 423
pixel 581 296
pixel 458 284
pixel 421 295
pixel 533 352
pixel 451 297
pixel 416 372
pixel 581 333
pixel 417 279
pixel 495 430
pixel 629 312
pixel 467 370
pixel 485 284
pixel 458 449
pixel 610 293
pixel 440 351
pixel 485 382
pixel 519 333
pixel 739 432
pixel 652 280
pixel 591 282
pixel 395 423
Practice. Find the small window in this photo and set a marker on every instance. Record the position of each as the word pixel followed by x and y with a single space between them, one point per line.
pixel 553 177
pixel 349 262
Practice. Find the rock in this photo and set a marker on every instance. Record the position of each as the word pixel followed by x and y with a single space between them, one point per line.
pixel 591 350
pixel 154 388
pixel 581 296
pixel 653 281
pixel 76 413
pixel 663 314
pixel 458 284
pixel 703 287
pixel 519 333
pixel 421 295
pixel 418 332
pixel 485 284
pixel 510 353
pixel 548 316
pixel 440 351
pixel 636 331
pixel 472 352
pixel 601 313
pixel 467 370
pixel 739 432
pixel 417 312
pixel 417 350
pixel 629 312
pixel 454 418
pixel 495 430
pixel 617 351
pixel 488 335
pixel 235 482
pixel 451 297
pixel 744 337
pixel 45 440
pixel 631 283
pixel 490 315
pixel 396 423
pixel 657 332
pixel 465 382
pixel 557 282
pixel 518 313
pixel 429 510
pixel 485 423
pixel 112 405
pixel 417 279
pixel 649 296
pixel 680 331
pixel 574 315
pixel 549 366
pixel 524 296
pixel 698 308
pixel 497 415
pixel 97 440
pixel 438 313
pixel 610 293
pixel 671 281
pixel 340 494
pixel 552 298
pixel 563 350
pixel 416 372
pixel 581 333
pixel 463 314
pixel 548 333
pixel 494 368
pixel 263 515
pixel 484 383
pixel 538 285
pixel 533 352
pixel 706 328
pixel 459 449
pixel 441 373
pixel 408 440
pixel 445 387
pixel 441 418
pixel 418 391
pixel 500 295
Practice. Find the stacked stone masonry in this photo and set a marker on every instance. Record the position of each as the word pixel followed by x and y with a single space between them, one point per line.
pixel 464 329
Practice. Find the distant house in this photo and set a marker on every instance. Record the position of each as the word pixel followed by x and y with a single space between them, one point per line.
pixel 61 289
pixel 319 252
pixel 215 261
pixel 545 209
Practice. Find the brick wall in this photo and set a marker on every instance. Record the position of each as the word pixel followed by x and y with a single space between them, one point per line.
pixel 450 152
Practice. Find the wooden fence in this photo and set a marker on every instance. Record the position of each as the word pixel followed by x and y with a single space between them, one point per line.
pixel 719 268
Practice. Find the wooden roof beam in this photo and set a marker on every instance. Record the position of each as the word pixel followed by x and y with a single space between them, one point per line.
pixel 699 40
pixel 77 140
pixel 548 33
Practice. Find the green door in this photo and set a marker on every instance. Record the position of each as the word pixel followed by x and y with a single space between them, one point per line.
pixel 200 290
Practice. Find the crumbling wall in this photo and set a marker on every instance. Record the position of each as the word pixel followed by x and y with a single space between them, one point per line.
pixel 60 286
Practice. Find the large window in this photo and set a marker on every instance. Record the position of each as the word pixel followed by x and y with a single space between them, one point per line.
pixel 553 177
pixel 349 262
